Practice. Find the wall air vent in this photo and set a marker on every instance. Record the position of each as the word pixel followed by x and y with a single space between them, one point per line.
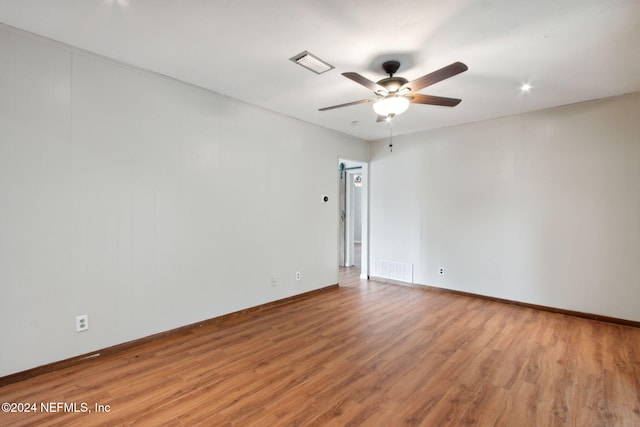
pixel 401 271
pixel 311 62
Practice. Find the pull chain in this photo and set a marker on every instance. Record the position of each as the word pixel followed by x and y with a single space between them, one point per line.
pixel 390 138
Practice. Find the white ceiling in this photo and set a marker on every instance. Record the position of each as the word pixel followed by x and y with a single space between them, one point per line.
pixel 569 50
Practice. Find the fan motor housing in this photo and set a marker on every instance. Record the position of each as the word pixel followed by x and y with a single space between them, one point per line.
pixel 392 84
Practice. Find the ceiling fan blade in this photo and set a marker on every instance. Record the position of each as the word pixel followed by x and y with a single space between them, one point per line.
pixel 362 101
pixel 418 98
pixel 375 87
pixel 435 77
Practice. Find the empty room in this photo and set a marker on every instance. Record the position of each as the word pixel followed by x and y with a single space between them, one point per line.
pixel 307 212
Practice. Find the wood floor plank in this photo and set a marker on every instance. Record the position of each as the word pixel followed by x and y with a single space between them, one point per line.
pixel 366 353
pixel 521 406
pixel 487 406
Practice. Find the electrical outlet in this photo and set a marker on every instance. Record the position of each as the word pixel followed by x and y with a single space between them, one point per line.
pixel 82 323
pixel 442 271
pixel 298 275
pixel 274 281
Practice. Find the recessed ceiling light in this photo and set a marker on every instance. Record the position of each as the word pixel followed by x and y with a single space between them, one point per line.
pixel 312 62
pixel 526 87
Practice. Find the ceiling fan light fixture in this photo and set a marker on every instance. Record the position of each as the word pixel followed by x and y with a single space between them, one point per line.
pixel 391 105
pixel 312 62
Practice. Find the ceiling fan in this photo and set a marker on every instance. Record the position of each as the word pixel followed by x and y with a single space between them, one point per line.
pixel 394 94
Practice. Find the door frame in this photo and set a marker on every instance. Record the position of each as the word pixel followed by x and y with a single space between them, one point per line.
pixel 347 174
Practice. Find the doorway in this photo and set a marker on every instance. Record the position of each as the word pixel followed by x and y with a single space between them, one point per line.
pixel 353 216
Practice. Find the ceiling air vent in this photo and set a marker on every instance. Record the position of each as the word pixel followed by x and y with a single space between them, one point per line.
pixel 312 63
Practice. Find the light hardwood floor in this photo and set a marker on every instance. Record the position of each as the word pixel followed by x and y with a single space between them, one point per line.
pixel 368 353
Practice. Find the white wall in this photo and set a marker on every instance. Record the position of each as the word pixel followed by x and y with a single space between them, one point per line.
pixel 542 208
pixel 147 203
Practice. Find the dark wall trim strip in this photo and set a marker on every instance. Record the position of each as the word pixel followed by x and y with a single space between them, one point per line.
pixel 607 319
pixel 183 330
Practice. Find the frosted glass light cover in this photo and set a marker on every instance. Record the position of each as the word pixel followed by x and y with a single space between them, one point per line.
pixel 391 104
